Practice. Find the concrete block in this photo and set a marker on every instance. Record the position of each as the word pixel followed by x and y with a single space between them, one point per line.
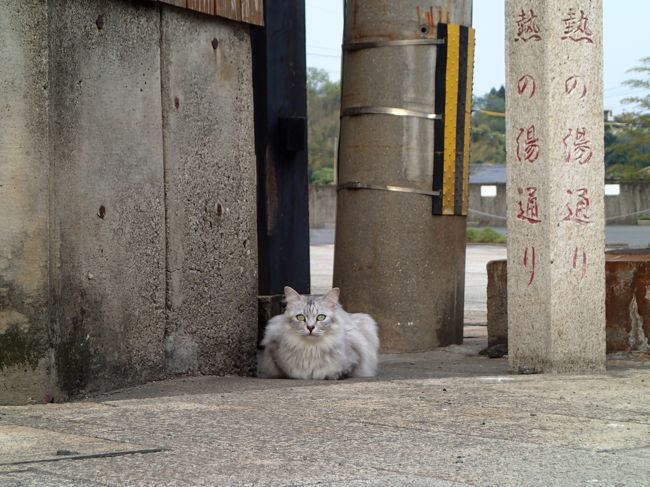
pixel 627 327
pixel 108 250
pixel 554 137
pixel 210 186
pixel 497 303
pixel 628 301
pixel 24 202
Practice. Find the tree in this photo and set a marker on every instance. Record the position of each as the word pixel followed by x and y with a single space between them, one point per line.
pixel 323 107
pixel 627 148
pixel 488 128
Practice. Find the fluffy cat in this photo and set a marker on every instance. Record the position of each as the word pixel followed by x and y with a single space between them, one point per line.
pixel 316 339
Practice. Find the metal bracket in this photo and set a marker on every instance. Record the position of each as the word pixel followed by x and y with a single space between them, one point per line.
pixel 398 189
pixel 399 112
pixel 356 46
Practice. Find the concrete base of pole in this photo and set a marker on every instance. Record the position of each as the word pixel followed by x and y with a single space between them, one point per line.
pixel 407 272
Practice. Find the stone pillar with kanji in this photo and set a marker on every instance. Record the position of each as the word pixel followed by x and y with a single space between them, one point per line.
pixel 554 136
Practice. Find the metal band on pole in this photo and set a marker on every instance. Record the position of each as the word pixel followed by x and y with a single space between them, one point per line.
pixel 399 189
pixel 399 112
pixel 356 46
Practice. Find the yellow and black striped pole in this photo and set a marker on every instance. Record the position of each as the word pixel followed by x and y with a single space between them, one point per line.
pixel 453 100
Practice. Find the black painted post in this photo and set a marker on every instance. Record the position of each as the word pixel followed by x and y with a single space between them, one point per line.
pixel 280 97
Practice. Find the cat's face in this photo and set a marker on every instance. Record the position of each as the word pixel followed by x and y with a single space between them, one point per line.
pixel 311 316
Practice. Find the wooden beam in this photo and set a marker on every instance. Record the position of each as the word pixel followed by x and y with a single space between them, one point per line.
pixel 247 11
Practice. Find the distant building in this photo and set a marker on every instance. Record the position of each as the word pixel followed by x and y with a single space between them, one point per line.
pixel 487 194
pixel 624 202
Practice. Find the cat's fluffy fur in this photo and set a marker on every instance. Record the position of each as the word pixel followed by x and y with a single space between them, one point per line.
pixel 299 345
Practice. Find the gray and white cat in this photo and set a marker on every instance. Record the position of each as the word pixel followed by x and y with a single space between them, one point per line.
pixel 316 339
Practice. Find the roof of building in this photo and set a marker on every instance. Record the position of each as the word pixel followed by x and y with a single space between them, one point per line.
pixel 487 174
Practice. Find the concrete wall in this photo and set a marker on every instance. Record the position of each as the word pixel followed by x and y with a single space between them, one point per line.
pixel 24 176
pixel 211 188
pixel 487 210
pixel 108 249
pixel 634 197
pixel 148 182
pixel 322 206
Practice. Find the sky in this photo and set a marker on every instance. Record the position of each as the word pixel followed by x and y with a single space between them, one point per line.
pixel 626 40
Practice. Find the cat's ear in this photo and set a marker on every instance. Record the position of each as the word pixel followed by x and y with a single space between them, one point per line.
pixel 332 297
pixel 290 295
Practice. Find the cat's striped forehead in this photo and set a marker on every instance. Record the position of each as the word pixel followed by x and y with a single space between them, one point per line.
pixel 309 306
pixel 312 306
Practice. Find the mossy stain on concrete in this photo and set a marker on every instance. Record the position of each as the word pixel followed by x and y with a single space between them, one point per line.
pixel 17 348
pixel 73 361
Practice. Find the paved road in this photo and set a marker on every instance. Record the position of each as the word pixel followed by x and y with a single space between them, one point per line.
pixel 477 256
pixel 632 236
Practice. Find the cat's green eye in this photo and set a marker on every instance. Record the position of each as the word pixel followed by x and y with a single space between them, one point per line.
pixel 300 317
pixel 320 317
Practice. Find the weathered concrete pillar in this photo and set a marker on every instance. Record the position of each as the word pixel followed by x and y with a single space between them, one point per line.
pixel 393 258
pixel 108 227
pixel 207 101
pixel 556 281
pixel 24 201
pixel 127 196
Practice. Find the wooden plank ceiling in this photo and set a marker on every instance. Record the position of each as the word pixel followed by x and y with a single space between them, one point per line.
pixel 248 11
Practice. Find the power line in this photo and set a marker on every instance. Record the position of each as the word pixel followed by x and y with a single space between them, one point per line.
pixel 334 49
pixel 315 54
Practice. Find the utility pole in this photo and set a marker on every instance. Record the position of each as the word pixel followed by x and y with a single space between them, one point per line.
pixel 395 258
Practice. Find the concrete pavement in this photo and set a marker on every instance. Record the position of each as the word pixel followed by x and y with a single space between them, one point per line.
pixel 447 418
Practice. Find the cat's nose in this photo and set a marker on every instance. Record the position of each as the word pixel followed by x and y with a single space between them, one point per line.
pixel 310 328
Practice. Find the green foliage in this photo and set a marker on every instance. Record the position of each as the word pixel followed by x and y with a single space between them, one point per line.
pixel 627 142
pixel 322 176
pixel 488 131
pixel 323 106
pixel 485 235
pixel 627 172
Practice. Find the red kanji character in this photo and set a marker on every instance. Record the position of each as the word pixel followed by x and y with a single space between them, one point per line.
pixel 529 214
pixel 531 261
pixel 580 260
pixel 578 213
pixel 527 27
pixel 576 28
pixel 577 147
pixel 530 145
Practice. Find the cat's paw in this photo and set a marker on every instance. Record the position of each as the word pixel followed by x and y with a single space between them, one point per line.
pixel 336 376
